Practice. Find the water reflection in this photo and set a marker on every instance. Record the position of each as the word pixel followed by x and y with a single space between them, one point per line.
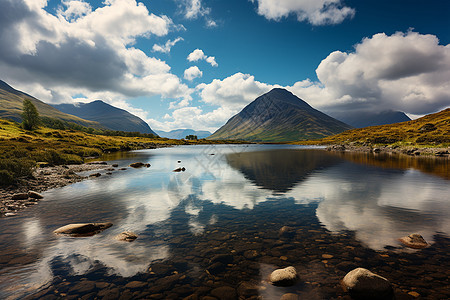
pixel 168 210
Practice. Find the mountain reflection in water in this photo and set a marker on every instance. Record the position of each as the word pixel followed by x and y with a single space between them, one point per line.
pixel 240 193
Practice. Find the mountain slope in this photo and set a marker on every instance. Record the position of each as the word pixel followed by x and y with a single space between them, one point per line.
pixel 366 119
pixel 182 133
pixel 11 103
pixel 107 115
pixel 279 116
pixel 432 129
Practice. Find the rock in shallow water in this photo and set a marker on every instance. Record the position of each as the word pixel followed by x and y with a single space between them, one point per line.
pixel 363 284
pixel 415 241
pixel 126 236
pixel 83 229
pixel 284 277
pixel 34 195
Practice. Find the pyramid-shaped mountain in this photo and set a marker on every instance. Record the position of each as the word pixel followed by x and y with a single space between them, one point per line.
pixel 279 116
pixel 107 115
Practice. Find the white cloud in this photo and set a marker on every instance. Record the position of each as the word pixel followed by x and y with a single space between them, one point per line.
pixel 195 9
pixel 316 12
pixel 167 46
pixel 86 50
pixel 192 73
pixel 198 54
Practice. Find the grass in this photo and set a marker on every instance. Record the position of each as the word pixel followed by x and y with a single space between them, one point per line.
pixel 429 131
pixel 21 150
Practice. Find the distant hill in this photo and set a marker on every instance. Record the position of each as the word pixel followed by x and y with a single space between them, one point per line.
pixel 432 129
pixel 11 104
pixel 279 116
pixel 366 119
pixel 182 133
pixel 107 115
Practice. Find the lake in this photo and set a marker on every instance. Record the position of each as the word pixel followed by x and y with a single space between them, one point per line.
pixel 214 230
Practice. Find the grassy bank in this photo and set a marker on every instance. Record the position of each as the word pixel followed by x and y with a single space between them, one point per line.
pixel 22 150
pixel 432 131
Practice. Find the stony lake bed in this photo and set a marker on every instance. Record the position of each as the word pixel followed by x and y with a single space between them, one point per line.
pixel 237 213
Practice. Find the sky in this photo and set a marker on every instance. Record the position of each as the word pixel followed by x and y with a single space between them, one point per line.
pixel 196 63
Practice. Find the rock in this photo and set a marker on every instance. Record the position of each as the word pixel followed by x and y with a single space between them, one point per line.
pixel 20 196
pixel 290 296
pixel 222 258
pixel 115 165
pixel 83 229
pixel 179 169
pixel 284 277
pixel 34 195
pixel 376 150
pixel 286 231
pixel 327 256
pixel 179 161
pixel 83 287
pixel 247 289
pixel 147 165
pixel 135 284
pixel 126 236
pixel 224 293
pixel 123 169
pixel 137 165
pixel 414 241
pixel 95 175
pixel 361 284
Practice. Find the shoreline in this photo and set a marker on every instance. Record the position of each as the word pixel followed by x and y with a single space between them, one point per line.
pixel 44 178
pixel 411 151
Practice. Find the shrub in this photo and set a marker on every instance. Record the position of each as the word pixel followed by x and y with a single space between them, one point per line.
pixel 6 178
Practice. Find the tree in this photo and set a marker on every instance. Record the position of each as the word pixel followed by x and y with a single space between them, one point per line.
pixel 30 115
pixel 191 137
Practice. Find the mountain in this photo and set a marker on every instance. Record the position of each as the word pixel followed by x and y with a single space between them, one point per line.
pixel 279 116
pixel 107 115
pixel 182 133
pixel 11 104
pixel 366 119
pixel 432 129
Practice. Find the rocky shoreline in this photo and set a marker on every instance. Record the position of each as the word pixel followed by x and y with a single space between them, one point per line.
pixel 44 178
pixel 405 150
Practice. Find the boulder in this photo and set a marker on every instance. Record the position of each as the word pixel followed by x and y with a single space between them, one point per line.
pixel 34 195
pixel 179 169
pixel 83 229
pixel 361 284
pixel 20 196
pixel 287 232
pixel 290 296
pixel 284 277
pixel 414 241
pixel 126 236
pixel 137 165
pixel 115 165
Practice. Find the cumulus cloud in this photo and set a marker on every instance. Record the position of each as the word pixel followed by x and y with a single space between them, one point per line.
pixel 316 12
pixel 192 73
pixel 194 9
pixel 198 54
pixel 84 49
pixel 405 71
pixel 167 46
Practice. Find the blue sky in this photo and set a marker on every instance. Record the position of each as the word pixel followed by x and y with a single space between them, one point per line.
pixel 339 56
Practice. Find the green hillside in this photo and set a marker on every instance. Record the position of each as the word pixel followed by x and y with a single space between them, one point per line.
pixel 11 102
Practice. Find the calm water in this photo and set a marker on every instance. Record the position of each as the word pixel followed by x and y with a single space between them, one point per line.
pixel 217 225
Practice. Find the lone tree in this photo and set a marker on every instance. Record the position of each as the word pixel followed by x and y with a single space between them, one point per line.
pixel 30 115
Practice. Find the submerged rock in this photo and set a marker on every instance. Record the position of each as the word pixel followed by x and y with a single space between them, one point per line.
pixel 126 236
pixel 83 229
pixel 20 196
pixel 284 277
pixel 137 165
pixel 415 241
pixel 34 195
pixel 361 284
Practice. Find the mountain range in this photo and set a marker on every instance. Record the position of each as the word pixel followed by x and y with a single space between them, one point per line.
pixel 11 105
pixel 182 133
pixel 279 116
pixel 106 115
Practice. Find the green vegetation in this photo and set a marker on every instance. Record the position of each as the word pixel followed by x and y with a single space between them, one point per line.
pixel 191 137
pixel 30 116
pixel 22 150
pixel 429 131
